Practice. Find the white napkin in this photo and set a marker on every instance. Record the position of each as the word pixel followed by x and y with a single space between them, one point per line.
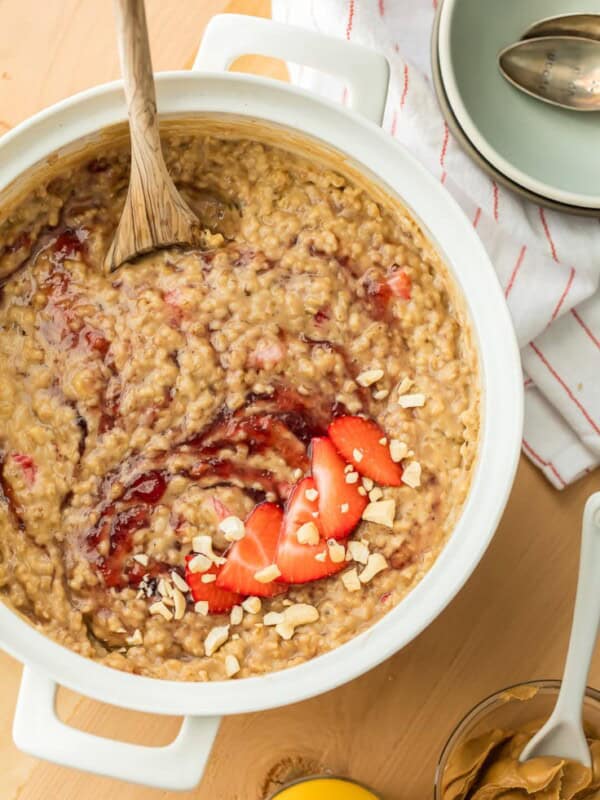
pixel 547 263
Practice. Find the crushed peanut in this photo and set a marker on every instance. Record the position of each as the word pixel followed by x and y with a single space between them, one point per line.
pixel 201 607
pixel 398 450
pixel 404 386
pixel 412 400
pixel 375 564
pixel 352 477
pixel 362 491
pixel 203 544
pixel 160 608
pixel 308 534
pixel 179 582
pixel 236 615
pixel 383 440
pixel 232 666
pixel 381 394
pixel 357 455
pixel 252 605
pixel 164 588
pixel 350 580
pixel 321 556
pixel 348 468
pixel 358 551
pixel 344 508
pixel 267 574
pixel 142 559
pixel 215 638
pixel 368 484
pixel 337 551
pixel 382 512
pixel 180 604
pixel 208 577
pixel 369 377
pixel 272 618
pixel 411 475
pixel 295 616
pixel 375 494
pixel 311 494
pixel 199 563
pixel 232 528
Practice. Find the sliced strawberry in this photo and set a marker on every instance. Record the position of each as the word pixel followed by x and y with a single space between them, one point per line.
pixel 340 504
pixel 254 552
pixel 296 561
pixel 28 466
pixel 355 436
pixel 400 284
pixel 219 600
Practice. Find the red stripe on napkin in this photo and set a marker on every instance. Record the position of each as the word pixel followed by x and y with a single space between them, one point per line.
pixel 515 270
pixel 589 332
pixel 555 374
pixel 544 463
pixel 556 311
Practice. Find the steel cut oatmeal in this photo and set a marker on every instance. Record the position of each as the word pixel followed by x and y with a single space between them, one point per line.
pixel 224 462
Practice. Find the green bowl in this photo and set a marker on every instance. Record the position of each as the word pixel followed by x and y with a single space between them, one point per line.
pixel 547 151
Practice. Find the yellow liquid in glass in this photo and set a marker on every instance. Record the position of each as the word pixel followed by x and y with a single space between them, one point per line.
pixel 325 789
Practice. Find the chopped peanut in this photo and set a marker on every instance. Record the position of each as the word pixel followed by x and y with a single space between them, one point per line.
pixel 358 551
pixel 160 608
pixel 215 638
pixel 179 582
pixel 267 574
pixel 337 551
pixel 232 528
pixel 369 377
pixel 398 450
pixel 180 604
pixel 252 605
pixel 236 615
pixel 381 512
pixel 375 564
pixel 294 616
pixel 351 581
pixel 232 666
pixel 311 494
pixel 199 563
pixel 308 533
pixel 412 400
pixel 201 607
pixel 412 474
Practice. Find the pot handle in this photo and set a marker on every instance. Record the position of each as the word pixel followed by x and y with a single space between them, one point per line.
pixel 37 730
pixel 366 72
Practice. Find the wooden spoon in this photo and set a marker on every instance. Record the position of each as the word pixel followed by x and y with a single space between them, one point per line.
pixel 155 215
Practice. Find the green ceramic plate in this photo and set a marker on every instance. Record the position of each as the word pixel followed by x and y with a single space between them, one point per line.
pixel 546 150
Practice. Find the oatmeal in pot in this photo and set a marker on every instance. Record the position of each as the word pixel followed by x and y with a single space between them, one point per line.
pixel 225 462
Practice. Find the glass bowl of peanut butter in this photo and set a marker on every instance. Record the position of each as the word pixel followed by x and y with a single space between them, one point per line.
pixel 481 758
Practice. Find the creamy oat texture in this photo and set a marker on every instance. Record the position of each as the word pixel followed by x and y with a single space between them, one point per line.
pixel 125 399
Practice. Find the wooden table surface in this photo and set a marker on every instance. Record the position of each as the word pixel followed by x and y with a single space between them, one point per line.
pixel 510 623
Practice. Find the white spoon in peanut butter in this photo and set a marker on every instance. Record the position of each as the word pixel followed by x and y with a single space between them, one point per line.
pixel 563 736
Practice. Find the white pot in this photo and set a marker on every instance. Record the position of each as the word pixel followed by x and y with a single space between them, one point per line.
pixel 356 133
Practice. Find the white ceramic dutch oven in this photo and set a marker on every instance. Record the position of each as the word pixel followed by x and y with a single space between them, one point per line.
pixel 355 132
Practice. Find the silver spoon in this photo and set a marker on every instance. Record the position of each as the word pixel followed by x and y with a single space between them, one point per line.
pixel 563 736
pixel 581 25
pixel 561 70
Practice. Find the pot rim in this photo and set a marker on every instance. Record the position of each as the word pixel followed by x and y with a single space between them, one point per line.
pixel 386 162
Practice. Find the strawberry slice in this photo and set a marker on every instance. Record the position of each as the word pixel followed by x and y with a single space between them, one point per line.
pixel 219 600
pixel 359 442
pixel 254 552
pixel 296 561
pixel 340 504
pixel 400 284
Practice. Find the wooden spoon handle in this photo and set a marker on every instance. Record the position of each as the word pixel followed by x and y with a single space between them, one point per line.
pixel 136 68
